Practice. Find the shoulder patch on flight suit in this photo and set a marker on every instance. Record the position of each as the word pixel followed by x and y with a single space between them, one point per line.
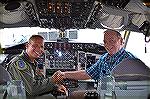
pixel 21 65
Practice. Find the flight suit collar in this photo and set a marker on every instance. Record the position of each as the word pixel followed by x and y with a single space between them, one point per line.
pixel 25 56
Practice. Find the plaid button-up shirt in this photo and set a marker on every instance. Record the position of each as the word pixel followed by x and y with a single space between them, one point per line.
pixel 107 63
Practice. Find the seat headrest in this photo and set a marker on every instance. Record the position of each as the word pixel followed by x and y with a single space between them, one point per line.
pixel 4 76
pixel 131 69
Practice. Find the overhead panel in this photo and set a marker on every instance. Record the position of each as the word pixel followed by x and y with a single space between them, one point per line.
pixel 64 14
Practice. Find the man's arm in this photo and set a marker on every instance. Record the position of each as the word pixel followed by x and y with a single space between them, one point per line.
pixel 77 75
pixel 33 87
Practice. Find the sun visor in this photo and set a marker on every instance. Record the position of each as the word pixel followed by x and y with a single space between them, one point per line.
pixel 138 19
pixel 113 21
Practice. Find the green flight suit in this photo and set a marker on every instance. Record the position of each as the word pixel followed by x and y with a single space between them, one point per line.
pixel 20 68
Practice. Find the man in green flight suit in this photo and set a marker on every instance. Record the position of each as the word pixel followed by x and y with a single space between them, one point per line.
pixel 23 67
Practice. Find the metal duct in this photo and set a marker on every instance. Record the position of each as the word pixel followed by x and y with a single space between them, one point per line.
pixel 12 12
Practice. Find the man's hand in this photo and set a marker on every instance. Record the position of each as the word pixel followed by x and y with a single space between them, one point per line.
pixel 62 89
pixel 57 77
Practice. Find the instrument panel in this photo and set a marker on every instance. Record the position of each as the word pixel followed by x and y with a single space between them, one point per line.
pixel 67 56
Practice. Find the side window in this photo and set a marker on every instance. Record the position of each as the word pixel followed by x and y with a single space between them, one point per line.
pixel 136 45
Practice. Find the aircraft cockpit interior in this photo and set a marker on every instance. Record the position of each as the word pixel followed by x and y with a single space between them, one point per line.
pixel 73 41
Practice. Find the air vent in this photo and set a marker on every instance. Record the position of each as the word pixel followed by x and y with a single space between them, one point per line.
pixel 13 12
pixel 12 6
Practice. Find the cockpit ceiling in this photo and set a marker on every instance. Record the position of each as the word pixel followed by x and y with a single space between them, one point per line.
pixel 75 14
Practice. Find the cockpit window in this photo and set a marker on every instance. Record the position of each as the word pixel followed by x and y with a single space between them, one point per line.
pixel 14 36
pixel 137 45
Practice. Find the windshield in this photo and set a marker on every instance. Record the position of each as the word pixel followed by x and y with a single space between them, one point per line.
pixel 137 45
pixel 10 37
